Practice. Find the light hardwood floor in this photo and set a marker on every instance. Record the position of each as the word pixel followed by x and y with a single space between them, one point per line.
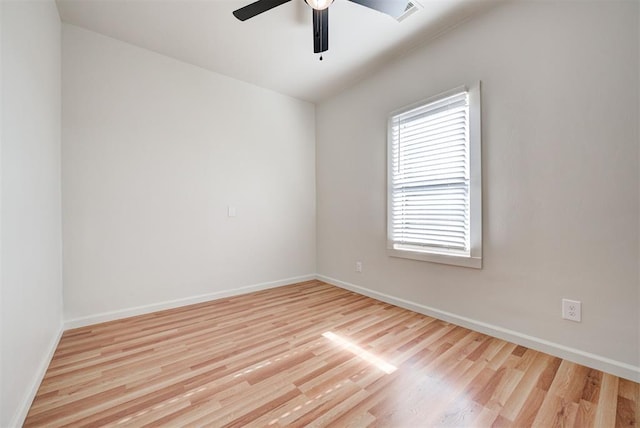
pixel 262 360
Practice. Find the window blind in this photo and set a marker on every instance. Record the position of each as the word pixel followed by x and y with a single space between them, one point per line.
pixel 430 177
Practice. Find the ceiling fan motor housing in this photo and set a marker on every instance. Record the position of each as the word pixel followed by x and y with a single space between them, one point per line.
pixel 319 4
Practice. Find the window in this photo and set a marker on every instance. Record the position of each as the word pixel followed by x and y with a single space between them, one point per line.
pixel 434 180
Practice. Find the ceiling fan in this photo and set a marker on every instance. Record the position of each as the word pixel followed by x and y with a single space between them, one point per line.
pixel 320 14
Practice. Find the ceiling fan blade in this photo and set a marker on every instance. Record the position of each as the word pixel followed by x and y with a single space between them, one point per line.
pixel 256 8
pixel 393 8
pixel 320 30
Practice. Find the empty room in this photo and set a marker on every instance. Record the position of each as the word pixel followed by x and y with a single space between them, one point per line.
pixel 320 213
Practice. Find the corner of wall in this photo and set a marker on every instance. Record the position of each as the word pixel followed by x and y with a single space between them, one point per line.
pixel 1 138
pixel 25 402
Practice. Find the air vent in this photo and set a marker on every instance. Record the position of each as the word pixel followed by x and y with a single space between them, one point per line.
pixel 412 7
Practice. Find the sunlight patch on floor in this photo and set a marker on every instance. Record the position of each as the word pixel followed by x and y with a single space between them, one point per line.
pixel 365 355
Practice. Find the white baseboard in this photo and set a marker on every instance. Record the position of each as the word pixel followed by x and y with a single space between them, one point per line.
pixel 141 310
pixel 25 404
pixel 588 359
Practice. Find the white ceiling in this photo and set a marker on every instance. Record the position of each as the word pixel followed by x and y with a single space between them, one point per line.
pixel 273 50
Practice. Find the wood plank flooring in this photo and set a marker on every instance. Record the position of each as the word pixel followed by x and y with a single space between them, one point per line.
pixel 261 359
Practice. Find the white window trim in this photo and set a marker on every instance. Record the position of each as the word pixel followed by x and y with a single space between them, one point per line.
pixel 474 260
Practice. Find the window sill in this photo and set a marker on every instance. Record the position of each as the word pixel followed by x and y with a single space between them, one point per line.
pixel 470 262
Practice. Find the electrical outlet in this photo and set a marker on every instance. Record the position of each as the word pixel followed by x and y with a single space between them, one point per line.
pixel 571 310
pixel 359 267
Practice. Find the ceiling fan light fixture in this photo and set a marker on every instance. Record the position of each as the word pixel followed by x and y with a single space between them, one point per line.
pixel 319 4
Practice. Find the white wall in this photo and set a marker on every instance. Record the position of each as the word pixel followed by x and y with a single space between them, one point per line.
pixel 560 168
pixel 30 244
pixel 154 150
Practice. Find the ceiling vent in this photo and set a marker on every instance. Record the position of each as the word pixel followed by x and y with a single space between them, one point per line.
pixel 412 7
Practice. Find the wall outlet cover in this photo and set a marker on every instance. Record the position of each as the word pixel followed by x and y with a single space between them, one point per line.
pixel 572 310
